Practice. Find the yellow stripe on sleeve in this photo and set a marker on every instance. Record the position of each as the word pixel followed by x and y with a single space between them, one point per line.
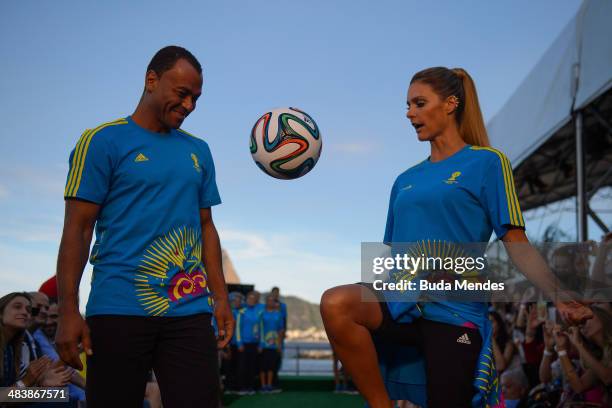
pixel 509 196
pixel 514 209
pixel 187 133
pixel 516 201
pixel 77 149
pixel 512 191
pixel 81 154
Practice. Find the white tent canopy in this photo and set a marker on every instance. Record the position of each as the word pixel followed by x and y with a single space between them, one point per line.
pixel 556 128
pixel 577 65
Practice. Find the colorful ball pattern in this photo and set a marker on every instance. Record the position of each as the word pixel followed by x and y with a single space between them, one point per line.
pixel 285 143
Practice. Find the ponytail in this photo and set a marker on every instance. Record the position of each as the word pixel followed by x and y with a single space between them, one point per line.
pixel 471 124
pixel 457 82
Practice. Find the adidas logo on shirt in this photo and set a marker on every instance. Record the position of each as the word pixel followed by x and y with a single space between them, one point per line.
pixel 140 158
pixel 464 339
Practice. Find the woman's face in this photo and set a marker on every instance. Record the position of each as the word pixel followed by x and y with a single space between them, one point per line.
pixel 428 113
pixel 591 327
pixel 17 313
pixel 236 302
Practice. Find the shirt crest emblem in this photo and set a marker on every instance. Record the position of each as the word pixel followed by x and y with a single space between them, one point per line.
pixel 453 178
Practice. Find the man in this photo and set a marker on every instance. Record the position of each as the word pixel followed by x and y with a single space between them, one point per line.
pixel 44 337
pixel 40 308
pixel 515 388
pixel 149 188
pixel 50 326
pixel 283 306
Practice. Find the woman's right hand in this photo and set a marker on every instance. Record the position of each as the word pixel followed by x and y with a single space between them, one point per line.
pixel 35 370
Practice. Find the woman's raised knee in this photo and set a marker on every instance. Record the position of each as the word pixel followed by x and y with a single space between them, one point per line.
pixel 336 300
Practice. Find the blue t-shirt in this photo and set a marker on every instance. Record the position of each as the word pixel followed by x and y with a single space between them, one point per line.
pixel 461 199
pixel 235 313
pixel 150 188
pixel 271 324
pixel 247 325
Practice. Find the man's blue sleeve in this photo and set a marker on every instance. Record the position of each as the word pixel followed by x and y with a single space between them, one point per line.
pixel 90 168
pixel 209 194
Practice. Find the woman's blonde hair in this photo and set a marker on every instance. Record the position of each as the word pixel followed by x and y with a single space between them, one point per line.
pixel 457 82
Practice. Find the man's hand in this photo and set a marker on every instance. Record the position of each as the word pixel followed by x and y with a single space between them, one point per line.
pixel 225 322
pixel 72 330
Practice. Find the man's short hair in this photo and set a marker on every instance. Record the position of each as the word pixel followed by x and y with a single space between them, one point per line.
pixel 164 59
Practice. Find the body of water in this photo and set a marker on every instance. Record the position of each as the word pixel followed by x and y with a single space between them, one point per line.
pixel 307 358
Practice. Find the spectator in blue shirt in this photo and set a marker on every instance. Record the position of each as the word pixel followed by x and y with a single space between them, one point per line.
pixel 271 327
pixel 247 340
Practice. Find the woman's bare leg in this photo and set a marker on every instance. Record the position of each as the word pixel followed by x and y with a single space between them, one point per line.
pixel 349 313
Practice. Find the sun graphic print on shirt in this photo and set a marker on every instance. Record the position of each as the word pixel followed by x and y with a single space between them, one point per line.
pixel 271 338
pixel 171 272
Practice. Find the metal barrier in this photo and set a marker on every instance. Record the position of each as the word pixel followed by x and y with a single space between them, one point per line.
pixel 302 358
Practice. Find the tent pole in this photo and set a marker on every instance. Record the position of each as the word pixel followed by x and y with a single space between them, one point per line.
pixel 581 198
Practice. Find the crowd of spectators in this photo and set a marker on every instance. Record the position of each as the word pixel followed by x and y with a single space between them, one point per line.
pixel 544 362
pixel 253 358
pixel 27 336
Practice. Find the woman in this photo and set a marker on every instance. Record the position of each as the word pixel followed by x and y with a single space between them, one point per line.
pixel 462 193
pixel 14 319
pixel 595 358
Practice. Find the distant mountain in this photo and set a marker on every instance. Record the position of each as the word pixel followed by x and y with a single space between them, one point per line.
pixel 301 315
pixel 229 272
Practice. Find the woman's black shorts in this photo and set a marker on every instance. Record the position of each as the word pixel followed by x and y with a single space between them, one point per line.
pixel 269 359
pixel 450 352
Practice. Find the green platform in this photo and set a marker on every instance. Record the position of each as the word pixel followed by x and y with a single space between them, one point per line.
pixel 298 392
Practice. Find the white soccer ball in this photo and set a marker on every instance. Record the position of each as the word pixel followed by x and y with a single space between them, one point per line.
pixel 285 143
